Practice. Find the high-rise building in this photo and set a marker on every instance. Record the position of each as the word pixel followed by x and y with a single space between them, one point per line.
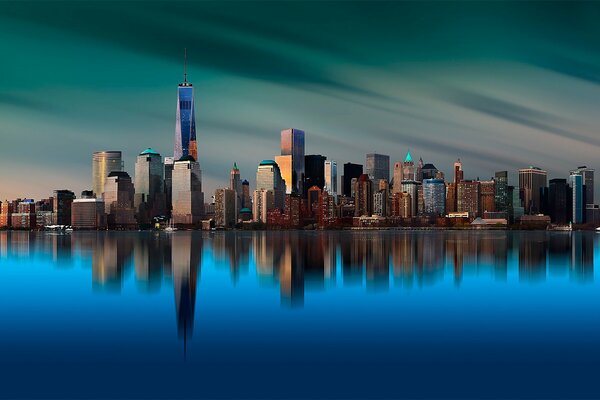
pixel 188 198
pixel 314 172
pixel 458 171
pixel 380 202
pixel 577 193
pixel 412 188
pixel 467 197
pixel 246 199
pixel 378 167
pixel 168 183
pixel 419 173
pixel 501 197
pixel 118 200
pixel 397 179
pixel 451 197
pixel 149 200
pixel 531 182
pixel 263 201
pixel 268 177
pixel 434 197
pixel 402 205
pixel 225 208
pixel 331 178
pixel 428 171
pixel 185 123
pixel 62 201
pixel 292 170
pixel 103 163
pixel 88 213
pixel 408 168
pixel 588 183
pixel 351 171
pixel 487 197
pixel 363 202
pixel 235 184
pixel 558 201
pixel 515 209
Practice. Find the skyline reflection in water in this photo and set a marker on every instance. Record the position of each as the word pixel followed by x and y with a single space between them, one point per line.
pixel 212 280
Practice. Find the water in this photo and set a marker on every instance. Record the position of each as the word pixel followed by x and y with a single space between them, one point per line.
pixel 299 314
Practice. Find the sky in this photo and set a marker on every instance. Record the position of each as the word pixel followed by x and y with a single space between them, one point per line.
pixel 502 85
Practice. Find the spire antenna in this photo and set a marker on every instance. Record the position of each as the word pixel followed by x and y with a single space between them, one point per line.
pixel 185 65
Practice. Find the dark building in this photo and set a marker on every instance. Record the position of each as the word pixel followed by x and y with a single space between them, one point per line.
pixel 501 197
pixel 429 171
pixel 314 172
pixel 62 206
pixel 558 200
pixel 351 171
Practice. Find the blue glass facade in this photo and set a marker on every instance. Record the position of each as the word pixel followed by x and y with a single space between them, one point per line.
pixel 576 182
pixel 185 127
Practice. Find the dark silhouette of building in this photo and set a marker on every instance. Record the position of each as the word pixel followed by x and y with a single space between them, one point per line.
pixel 314 172
pixel 351 171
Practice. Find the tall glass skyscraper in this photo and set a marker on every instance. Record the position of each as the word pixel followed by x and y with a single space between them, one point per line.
pixel 103 163
pixel 292 144
pixel 331 177
pixel 434 197
pixel 185 124
pixel 576 183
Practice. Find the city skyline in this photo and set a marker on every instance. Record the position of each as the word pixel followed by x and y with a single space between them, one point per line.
pixel 495 104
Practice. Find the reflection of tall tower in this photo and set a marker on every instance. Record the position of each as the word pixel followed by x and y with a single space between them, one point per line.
pixel 185 124
pixel 185 261
pixel 291 272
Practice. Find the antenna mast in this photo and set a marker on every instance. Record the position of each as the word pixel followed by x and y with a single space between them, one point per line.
pixel 185 65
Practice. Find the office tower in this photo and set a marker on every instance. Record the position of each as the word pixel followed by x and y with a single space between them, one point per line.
pixel 103 163
pixel 268 177
pixel 88 213
pixel 434 197
pixel 292 210
pixel 118 200
pixel 246 199
pixel 378 167
pixel 451 197
pixel 458 171
pixel 225 208
pixel 363 192
pixel 351 171
pixel 515 210
pixel 397 179
pixel 429 171
pixel 402 205
pixel 531 181
pixel 331 178
pixel 168 184
pixel 188 198
pixel 185 123
pixel 557 201
pixel 487 196
pixel 263 201
pixel 408 168
pixel 327 208
pixel 501 197
pixel 312 200
pixel 292 167
pixel 235 184
pixel 24 216
pixel 412 188
pixel 588 183
pixel 149 200
pixel 419 173
pixel 314 172
pixel 63 200
pixel 577 193
pixel 381 198
pixel 467 197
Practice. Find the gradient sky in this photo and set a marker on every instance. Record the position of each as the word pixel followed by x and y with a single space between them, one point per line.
pixel 501 85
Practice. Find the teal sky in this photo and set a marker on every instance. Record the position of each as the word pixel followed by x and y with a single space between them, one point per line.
pixel 501 85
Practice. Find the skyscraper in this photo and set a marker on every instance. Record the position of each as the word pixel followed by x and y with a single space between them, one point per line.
pixel 487 196
pixel 314 172
pixel 351 171
pixel 501 197
pixel 557 201
pixel 363 203
pixel 225 208
pixel 103 163
pixel 331 178
pixel 268 177
pixel 428 171
pixel 235 184
pixel 434 197
pixel 63 200
pixel 412 188
pixel 588 183
pixel 531 181
pixel 168 183
pixel 378 167
pixel 458 171
pixel 397 178
pixel 118 199
pixel 185 123
pixel 149 200
pixel 408 168
pixel 467 197
pixel 188 198
pixel 292 170
pixel 576 183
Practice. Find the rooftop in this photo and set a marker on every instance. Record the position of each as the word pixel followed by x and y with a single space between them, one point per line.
pixel 120 174
pixel 268 162
pixel 186 158
pixel 149 151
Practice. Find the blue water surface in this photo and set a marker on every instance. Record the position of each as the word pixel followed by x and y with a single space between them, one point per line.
pixel 361 314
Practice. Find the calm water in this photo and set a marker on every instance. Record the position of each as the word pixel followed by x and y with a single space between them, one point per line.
pixel 284 314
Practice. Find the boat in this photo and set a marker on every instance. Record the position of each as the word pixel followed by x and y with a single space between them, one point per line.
pixel 564 228
pixel 598 229
pixel 170 227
